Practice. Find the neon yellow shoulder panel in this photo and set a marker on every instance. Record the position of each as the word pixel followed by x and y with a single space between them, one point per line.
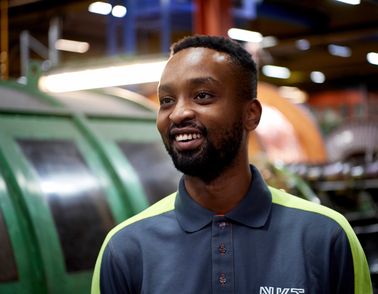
pixel 362 283
pixel 164 205
pixel 361 270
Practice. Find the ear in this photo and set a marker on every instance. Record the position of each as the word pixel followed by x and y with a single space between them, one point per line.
pixel 252 114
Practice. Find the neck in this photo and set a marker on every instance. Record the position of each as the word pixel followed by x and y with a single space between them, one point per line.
pixel 223 193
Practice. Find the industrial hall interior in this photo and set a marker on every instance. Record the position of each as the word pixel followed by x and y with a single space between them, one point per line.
pixel 79 148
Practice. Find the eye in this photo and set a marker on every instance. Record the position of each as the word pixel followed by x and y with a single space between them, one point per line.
pixel 203 97
pixel 165 101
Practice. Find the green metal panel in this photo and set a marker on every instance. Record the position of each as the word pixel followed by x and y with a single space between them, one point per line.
pixel 47 128
pixel 145 156
pixel 122 172
pixel 111 131
pixel 132 129
pixel 30 276
pixel 33 92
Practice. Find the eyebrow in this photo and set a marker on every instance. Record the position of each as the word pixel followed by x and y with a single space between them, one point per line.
pixel 194 81
pixel 204 80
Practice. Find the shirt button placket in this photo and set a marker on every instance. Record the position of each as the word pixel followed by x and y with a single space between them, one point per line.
pixel 222 279
pixel 222 256
pixel 222 249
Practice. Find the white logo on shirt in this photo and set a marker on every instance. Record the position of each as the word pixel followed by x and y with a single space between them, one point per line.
pixel 278 290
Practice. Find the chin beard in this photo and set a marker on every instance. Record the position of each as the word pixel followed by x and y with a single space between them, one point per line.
pixel 209 162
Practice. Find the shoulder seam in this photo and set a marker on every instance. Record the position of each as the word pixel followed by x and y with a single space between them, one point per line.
pixel 361 269
pixel 283 198
pixel 164 205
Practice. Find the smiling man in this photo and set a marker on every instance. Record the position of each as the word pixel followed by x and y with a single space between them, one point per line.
pixel 224 231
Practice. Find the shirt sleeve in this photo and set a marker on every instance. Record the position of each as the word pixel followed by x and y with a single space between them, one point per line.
pixel 108 276
pixel 349 268
pixel 112 278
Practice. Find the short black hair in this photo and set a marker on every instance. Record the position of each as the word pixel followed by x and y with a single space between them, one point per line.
pixel 239 56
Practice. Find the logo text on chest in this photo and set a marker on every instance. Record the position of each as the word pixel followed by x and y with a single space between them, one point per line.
pixel 278 290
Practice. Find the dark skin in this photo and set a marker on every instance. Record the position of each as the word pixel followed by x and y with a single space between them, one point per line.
pixel 202 85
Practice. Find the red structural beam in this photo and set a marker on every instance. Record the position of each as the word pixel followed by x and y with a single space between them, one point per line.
pixel 212 17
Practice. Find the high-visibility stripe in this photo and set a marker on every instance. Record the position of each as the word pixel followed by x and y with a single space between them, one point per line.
pixel 162 206
pixel 362 283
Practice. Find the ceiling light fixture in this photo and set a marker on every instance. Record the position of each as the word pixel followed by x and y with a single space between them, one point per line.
pixel 100 8
pixel 317 77
pixel 302 44
pixel 71 46
pixel 372 57
pixel 276 71
pixel 337 50
pixel 119 11
pixel 269 41
pixel 351 2
pixel 244 35
pixel 129 74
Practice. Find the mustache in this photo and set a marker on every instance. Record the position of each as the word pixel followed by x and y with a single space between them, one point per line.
pixel 173 128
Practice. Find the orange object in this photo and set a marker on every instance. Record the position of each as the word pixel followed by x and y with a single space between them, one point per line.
pixel 287 133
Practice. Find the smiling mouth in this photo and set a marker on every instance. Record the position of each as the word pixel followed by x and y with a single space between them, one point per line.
pixel 187 137
pixel 187 141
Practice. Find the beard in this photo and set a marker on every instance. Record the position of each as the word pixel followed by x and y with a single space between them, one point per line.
pixel 211 159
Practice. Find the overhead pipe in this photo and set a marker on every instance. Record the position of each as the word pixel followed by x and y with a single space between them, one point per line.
pixel 50 53
pixel 54 35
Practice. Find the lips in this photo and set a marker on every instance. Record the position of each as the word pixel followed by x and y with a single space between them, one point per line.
pixel 186 139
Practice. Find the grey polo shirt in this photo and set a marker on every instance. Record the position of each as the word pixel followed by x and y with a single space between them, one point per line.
pixel 271 243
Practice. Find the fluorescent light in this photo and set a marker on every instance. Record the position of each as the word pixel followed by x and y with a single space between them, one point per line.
pixel 119 11
pixel 244 35
pixel 71 46
pixel 337 50
pixel 372 57
pixel 100 8
pixel 103 77
pixel 269 41
pixel 352 2
pixel 317 77
pixel 276 71
pixel 302 44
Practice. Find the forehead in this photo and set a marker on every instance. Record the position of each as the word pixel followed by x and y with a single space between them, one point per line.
pixel 195 55
pixel 192 62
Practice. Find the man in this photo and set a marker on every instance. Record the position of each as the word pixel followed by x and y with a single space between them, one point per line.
pixel 224 231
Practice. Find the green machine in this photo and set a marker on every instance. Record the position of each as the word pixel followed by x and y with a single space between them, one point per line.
pixel 72 166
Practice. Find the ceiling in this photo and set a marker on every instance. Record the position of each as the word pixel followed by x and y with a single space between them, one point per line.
pixel 321 22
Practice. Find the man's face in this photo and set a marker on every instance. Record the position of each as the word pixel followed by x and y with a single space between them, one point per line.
pixel 201 117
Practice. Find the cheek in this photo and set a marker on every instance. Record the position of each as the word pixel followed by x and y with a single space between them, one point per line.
pixel 162 124
pixel 220 118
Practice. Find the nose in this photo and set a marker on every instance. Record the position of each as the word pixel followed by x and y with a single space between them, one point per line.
pixel 181 112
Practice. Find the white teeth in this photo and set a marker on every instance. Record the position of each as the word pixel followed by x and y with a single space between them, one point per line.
pixel 187 137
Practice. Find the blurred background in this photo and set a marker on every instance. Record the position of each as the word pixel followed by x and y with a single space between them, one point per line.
pixel 79 150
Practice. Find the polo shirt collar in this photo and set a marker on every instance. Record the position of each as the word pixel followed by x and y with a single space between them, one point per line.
pixel 252 211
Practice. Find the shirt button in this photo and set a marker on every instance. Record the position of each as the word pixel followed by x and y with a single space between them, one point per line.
pixel 222 279
pixel 222 225
pixel 222 249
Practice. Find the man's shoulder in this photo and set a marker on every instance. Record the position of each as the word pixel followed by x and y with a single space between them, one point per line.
pixel 162 206
pixel 316 210
pixel 327 217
